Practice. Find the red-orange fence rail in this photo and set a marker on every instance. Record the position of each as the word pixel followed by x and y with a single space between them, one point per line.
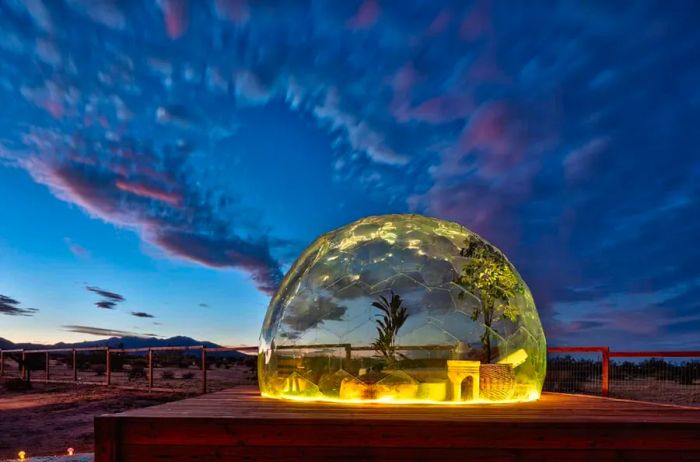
pixel 603 352
pixel 606 356
pixel 24 372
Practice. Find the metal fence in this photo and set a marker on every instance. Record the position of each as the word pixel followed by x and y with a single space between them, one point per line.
pixel 672 377
pixel 156 368
pixel 661 376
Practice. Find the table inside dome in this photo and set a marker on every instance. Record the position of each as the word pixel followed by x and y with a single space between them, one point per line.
pixel 239 424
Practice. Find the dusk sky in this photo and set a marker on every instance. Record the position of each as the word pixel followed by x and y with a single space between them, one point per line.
pixel 163 163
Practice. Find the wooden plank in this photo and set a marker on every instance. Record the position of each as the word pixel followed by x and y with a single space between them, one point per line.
pixel 246 403
pixel 239 424
pixel 429 434
pixel 417 454
pixel 107 439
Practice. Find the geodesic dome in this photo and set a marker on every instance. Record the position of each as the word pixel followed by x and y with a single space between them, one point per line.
pixel 402 308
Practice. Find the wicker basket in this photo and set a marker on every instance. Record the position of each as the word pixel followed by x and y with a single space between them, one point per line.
pixel 496 382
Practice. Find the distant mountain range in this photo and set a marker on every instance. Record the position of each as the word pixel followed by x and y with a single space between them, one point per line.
pixel 113 342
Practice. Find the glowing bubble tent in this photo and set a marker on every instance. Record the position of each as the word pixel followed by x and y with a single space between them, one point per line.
pixel 402 309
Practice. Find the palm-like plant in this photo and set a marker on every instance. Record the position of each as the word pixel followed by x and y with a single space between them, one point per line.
pixel 393 315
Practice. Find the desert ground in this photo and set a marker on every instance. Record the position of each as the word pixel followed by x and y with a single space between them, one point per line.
pixel 49 418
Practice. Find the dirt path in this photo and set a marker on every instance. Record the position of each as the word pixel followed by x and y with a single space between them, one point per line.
pixel 49 419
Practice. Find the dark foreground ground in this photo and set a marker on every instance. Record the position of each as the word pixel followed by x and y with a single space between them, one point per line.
pixel 50 418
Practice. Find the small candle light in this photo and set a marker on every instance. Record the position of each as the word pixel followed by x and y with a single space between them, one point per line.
pixel 70 451
pixel 21 455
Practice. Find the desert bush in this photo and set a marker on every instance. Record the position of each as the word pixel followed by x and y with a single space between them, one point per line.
pixel 137 370
pixel 167 375
pixel 86 360
pixel 188 375
pixel 17 384
pixel 98 369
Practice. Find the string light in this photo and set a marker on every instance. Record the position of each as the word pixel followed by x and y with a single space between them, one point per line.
pixel 21 455
pixel 70 451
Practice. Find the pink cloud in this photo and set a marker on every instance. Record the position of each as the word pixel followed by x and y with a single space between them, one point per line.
pixel 169 222
pixel 477 23
pixel 444 108
pixel 75 249
pixel 485 69
pixel 366 16
pixel 151 192
pixel 440 23
pixel 579 162
pixel 175 16
pixel 236 11
pixel 498 134
pixel 220 253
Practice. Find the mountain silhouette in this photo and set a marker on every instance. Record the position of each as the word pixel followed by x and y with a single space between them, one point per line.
pixel 118 342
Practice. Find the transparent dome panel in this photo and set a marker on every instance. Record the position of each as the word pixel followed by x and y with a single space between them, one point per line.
pixel 402 308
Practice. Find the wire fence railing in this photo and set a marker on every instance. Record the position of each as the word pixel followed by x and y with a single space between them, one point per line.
pixel 660 376
pixel 184 368
pixel 672 377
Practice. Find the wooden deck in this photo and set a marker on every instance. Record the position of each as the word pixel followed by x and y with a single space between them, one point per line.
pixel 238 424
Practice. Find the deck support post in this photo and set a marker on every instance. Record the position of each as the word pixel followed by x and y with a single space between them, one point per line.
pixel 204 370
pixel 150 369
pixel 75 365
pixel 23 367
pixel 47 366
pixel 2 363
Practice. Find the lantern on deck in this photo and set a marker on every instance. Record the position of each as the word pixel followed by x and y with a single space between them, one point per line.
pixel 402 308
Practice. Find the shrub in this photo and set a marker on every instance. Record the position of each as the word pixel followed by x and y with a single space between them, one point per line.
pixel 98 369
pixel 17 385
pixel 188 375
pixel 137 371
pixel 167 375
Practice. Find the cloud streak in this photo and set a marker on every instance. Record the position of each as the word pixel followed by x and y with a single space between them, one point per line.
pixel 102 332
pixel 141 314
pixel 10 307
pixel 113 296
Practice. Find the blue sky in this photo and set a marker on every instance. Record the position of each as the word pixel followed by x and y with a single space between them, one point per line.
pixel 178 155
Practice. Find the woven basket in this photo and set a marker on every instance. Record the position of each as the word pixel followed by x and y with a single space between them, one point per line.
pixel 496 382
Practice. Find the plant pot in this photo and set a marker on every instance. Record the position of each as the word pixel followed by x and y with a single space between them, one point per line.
pixel 496 382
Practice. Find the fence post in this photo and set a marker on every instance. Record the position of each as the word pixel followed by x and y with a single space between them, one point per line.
pixel 75 365
pixel 2 363
pixel 150 369
pixel 23 367
pixel 108 364
pixel 47 366
pixel 204 370
pixel 348 355
pixel 606 371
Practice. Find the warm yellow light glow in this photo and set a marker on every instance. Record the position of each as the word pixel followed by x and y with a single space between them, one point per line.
pixel 515 359
pixel 533 395
pixel 398 309
pixel 21 455
pixel 70 451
